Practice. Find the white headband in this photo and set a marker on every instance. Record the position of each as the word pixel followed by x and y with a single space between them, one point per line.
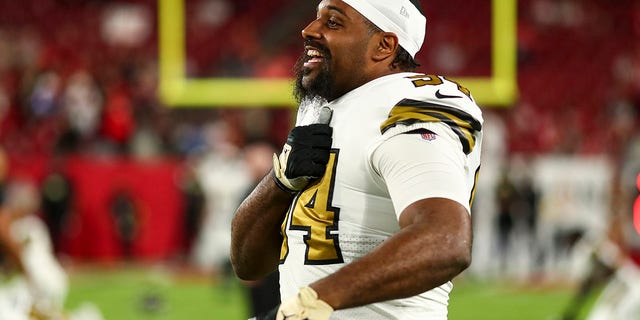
pixel 398 16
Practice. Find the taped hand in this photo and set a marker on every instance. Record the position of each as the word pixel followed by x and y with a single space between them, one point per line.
pixel 304 306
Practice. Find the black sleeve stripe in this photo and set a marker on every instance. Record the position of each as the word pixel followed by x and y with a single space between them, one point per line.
pixel 473 123
pixel 418 6
pixel 408 112
pixel 407 118
pixel 475 184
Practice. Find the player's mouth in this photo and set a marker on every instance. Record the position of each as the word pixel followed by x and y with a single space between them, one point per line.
pixel 314 57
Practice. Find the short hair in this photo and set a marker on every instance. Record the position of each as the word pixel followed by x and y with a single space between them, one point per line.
pixel 403 60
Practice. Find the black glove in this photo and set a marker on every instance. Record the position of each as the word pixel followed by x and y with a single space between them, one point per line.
pixel 304 156
pixel 310 146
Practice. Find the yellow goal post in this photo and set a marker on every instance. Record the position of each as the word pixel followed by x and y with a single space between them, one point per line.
pixel 177 90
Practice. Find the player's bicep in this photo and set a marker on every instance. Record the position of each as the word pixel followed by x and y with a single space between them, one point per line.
pixel 421 165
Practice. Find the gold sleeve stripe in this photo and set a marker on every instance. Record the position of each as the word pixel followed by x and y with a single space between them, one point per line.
pixel 408 112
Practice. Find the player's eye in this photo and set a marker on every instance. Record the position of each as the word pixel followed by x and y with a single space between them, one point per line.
pixel 332 23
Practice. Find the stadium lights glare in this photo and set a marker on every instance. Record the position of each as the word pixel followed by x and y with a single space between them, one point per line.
pixel 176 90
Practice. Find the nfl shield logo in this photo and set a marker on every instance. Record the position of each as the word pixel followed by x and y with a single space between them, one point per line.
pixel 429 136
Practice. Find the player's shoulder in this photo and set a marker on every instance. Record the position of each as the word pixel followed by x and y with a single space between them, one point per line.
pixel 420 99
pixel 425 89
pixel 429 91
pixel 436 88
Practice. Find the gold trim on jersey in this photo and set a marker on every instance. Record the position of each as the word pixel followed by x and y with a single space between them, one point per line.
pixel 408 112
pixel 475 184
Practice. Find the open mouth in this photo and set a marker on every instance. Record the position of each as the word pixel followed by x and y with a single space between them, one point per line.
pixel 314 57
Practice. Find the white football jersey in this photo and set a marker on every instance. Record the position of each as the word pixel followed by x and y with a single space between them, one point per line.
pixel 374 172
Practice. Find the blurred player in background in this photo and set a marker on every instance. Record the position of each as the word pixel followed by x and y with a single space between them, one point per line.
pixel 367 210
pixel 611 265
pixel 614 259
pixel 223 176
pixel 34 282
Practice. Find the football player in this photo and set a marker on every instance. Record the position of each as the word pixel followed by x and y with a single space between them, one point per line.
pixel 35 283
pixel 366 212
pixel 613 260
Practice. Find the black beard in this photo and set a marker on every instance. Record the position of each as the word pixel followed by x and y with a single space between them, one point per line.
pixel 319 87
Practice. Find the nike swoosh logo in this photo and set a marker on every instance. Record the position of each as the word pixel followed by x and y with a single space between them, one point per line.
pixel 444 96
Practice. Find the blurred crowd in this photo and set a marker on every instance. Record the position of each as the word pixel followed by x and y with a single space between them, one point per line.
pixel 82 75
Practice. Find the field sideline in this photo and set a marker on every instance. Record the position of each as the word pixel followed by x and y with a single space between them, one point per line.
pixel 137 293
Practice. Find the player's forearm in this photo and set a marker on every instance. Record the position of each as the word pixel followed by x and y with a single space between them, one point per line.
pixel 255 230
pixel 407 264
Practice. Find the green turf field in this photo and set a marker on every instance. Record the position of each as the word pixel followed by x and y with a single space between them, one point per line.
pixel 153 293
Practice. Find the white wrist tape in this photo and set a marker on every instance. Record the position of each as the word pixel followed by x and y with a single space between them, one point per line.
pixel 304 306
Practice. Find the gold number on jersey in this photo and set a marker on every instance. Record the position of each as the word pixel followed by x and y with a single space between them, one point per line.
pixel 425 80
pixel 434 80
pixel 314 214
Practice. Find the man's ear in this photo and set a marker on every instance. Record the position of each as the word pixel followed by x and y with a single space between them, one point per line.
pixel 387 46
